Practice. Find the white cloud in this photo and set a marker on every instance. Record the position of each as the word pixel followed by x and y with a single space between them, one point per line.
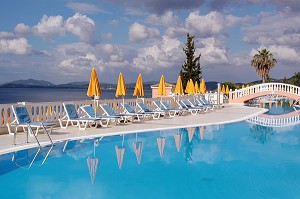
pixel 211 51
pixel 82 26
pixel 6 34
pixel 86 8
pixel 281 28
pixel 17 46
pixel 50 26
pixel 21 28
pixel 138 32
pixel 211 24
pixel 114 22
pixel 168 19
pixel 106 36
pixel 47 27
pixel 164 55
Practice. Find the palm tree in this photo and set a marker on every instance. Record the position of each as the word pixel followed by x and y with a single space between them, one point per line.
pixel 263 61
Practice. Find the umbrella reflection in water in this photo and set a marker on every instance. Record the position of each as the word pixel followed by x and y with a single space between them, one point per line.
pixel 120 151
pixel 202 132
pixel 178 140
pixel 161 141
pixel 138 149
pixel 93 162
pixel 191 131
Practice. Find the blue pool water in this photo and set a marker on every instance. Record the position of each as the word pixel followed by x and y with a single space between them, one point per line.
pixel 238 160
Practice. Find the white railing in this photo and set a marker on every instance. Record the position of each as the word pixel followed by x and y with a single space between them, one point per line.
pixel 274 121
pixel 52 111
pixel 287 88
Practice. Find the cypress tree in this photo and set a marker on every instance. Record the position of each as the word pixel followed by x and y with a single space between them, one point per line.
pixel 191 68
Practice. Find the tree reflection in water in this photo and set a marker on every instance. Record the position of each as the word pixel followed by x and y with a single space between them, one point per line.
pixel 261 134
pixel 188 146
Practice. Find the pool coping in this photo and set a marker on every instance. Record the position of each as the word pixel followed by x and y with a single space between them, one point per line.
pixel 231 113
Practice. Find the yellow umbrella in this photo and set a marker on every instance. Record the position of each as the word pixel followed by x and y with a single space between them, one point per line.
pixel 196 88
pixel 139 88
pixel 121 87
pixel 179 87
pixel 190 88
pixel 203 86
pixel 223 89
pixel 187 87
pixel 227 90
pixel 162 86
pixel 94 88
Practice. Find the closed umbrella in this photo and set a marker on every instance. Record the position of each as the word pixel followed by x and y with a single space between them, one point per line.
pixel 162 87
pixel 203 86
pixel 179 88
pixel 190 88
pixel 197 90
pixel 121 87
pixel 187 87
pixel 227 90
pixel 223 90
pixel 94 88
pixel 139 88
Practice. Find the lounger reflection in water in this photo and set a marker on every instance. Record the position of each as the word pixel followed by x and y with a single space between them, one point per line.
pixel 22 119
pixel 72 118
pixel 124 118
pixel 91 113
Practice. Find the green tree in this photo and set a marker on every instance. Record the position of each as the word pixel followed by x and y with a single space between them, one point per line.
pixel 263 62
pixel 230 85
pixel 295 80
pixel 191 68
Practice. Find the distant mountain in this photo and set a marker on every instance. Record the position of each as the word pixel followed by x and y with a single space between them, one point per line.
pixel 28 83
pixel 32 83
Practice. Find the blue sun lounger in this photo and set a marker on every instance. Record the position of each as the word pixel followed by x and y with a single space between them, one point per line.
pixel 124 118
pixel 179 110
pixel 91 113
pixel 22 119
pixel 160 107
pixel 204 102
pixel 72 118
pixel 129 110
pixel 189 108
pixel 144 109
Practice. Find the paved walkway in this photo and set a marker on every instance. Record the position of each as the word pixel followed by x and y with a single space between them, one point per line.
pixel 228 114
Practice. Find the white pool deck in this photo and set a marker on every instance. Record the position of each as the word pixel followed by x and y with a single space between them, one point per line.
pixel 230 113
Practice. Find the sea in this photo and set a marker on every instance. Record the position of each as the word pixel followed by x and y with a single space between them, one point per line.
pixel 14 95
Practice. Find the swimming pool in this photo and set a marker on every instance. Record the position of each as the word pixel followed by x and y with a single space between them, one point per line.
pixel 238 160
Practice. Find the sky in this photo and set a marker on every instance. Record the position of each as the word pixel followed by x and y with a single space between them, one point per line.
pixel 62 40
